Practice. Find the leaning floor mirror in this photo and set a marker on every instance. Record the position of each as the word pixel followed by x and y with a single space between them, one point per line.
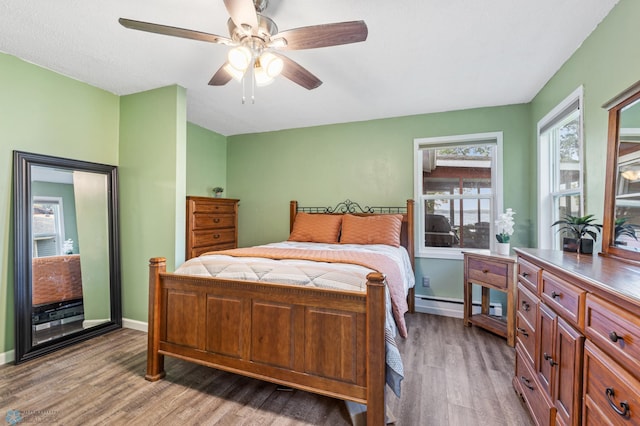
pixel 66 251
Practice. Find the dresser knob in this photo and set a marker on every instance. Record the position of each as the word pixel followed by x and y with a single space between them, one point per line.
pixel 526 382
pixel 485 271
pixel 624 405
pixel 525 274
pixel 547 357
pixel 523 332
pixel 216 220
pixel 614 337
pixel 555 295
pixel 526 306
pixel 216 236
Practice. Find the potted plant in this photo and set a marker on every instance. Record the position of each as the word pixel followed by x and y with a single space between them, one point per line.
pixel 217 191
pixel 623 229
pixel 577 228
pixel 504 229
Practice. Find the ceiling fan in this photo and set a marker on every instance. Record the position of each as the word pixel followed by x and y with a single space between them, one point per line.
pixel 256 41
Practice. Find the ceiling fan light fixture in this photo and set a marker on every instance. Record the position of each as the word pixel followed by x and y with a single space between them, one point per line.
pixel 239 58
pixel 271 64
pixel 260 75
pixel 236 74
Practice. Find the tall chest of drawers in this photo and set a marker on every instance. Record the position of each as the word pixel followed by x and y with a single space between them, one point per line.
pixel 578 338
pixel 212 224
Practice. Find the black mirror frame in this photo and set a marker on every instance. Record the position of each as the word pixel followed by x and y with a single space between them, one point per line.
pixel 22 162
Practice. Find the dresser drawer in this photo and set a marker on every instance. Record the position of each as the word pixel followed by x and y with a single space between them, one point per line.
pixel 539 405
pixel 526 338
pixel 215 237
pixel 527 305
pixel 214 207
pixel 528 274
pixel 197 251
pixel 616 331
pixel 489 272
pixel 212 221
pixel 566 299
pixel 610 392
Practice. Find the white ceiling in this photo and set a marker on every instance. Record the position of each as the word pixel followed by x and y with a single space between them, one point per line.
pixel 421 56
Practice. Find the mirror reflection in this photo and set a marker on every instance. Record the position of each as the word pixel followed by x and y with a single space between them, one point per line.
pixel 67 283
pixel 70 290
pixel 627 201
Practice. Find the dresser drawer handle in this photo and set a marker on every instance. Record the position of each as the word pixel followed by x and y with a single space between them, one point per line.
pixel 523 332
pixel 624 405
pixel 614 337
pixel 547 357
pixel 216 236
pixel 526 306
pixel 526 382
pixel 216 220
pixel 525 274
pixel 555 295
pixel 485 271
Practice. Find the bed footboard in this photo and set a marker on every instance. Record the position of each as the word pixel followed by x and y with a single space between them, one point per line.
pixel 322 341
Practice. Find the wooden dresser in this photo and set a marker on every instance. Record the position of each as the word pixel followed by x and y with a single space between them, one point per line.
pixel 212 224
pixel 578 338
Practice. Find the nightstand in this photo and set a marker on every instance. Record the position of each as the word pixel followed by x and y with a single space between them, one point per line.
pixel 490 271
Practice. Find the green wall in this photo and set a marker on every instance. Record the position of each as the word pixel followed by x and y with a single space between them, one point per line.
pixel 152 189
pixel 369 162
pixel 45 113
pixel 605 66
pixel 206 161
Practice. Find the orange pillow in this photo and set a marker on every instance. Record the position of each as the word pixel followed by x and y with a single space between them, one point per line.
pixel 379 229
pixel 316 228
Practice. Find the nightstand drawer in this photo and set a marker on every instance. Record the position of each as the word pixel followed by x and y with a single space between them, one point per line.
pixel 213 221
pixel 609 390
pixel 566 299
pixel 528 274
pixel 484 271
pixel 615 330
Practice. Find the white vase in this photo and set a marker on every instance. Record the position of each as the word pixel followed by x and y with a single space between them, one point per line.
pixel 503 248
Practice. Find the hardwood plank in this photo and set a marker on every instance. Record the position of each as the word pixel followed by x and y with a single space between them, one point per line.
pixel 455 375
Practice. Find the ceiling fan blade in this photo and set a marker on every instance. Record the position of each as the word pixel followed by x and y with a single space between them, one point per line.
pixel 221 77
pixel 323 35
pixel 174 31
pixel 242 12
pixel 298 74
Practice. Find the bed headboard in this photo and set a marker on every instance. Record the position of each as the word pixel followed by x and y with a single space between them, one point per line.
pixel 351 207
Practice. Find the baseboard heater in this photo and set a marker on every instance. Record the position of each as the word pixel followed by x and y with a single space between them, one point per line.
pixel 450 307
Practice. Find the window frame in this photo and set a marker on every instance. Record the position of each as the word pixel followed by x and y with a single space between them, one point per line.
pixel 420 144
pixel 59 223
pixel 548 238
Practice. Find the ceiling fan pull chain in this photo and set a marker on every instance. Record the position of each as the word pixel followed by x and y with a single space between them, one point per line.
pixel 243 96
pixel 253 83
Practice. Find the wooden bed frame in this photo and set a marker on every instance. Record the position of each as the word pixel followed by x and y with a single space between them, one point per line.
pixel 278 333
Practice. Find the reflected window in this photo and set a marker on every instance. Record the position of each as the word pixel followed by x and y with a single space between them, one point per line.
pixel 560 167
pixel 456 184
pixel 627 209
pixel 48 227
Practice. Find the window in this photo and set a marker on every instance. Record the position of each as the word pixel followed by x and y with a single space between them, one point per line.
pixel 560 167
pixel 457 193
pixel 48 229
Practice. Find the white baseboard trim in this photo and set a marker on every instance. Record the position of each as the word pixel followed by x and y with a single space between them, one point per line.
pixel 135 325
pixel 448 307
pixel 7 357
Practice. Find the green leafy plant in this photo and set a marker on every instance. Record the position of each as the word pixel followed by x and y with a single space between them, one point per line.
pixel 217 189
pixel 622 229
pixel 579 227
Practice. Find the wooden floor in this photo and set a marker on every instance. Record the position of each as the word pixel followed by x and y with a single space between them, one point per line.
pixel 454 376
